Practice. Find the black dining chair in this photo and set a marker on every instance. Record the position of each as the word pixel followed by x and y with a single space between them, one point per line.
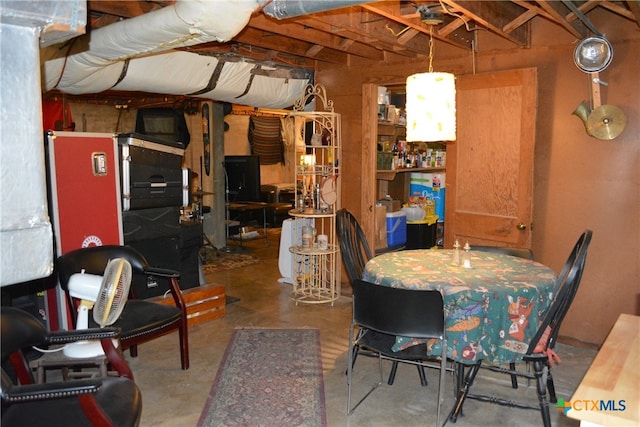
pixel 103 401
pixel 355 252
pixel 540 352
pixel 354 247
pixel 380 313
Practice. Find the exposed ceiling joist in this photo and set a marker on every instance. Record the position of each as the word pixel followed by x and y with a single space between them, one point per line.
pixel 379 32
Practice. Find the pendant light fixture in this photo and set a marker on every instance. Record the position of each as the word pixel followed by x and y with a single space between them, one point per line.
pixel 431 104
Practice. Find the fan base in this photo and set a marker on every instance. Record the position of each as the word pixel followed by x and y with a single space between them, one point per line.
pixel 84 349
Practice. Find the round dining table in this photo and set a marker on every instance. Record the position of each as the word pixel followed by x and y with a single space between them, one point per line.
pixel 492 307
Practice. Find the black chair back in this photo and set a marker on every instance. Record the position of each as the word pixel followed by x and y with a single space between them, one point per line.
pixel 397 311
pixel 94 260
pixel 381 313
pixel 19 330
pixel 565 291
pixel 353 244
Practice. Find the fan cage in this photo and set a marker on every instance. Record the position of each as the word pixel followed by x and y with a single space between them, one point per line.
pixel 113 292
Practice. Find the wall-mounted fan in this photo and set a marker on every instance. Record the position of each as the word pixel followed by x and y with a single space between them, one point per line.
pixel 107 296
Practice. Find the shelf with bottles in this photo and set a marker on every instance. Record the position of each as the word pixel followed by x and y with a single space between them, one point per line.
pixel 410 157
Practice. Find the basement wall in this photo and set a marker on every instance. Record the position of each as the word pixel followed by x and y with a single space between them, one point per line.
pixel 580 182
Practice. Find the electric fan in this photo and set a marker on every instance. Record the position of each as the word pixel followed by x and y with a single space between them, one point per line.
pixel 106 295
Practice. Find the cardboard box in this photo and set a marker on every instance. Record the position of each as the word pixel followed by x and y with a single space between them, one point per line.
pixel 204 303
pixel 380 227
pixel 391 205
pixel 396 228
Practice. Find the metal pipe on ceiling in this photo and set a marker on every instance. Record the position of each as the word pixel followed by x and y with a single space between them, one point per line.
pixel 582 17
pixel 281 9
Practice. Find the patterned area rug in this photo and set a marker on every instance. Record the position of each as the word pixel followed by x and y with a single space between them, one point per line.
pixel 268 377
pixel 228 261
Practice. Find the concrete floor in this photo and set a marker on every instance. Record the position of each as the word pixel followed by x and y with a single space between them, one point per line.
pixel 175 398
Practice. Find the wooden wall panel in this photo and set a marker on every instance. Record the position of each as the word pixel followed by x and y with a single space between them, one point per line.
pixel 580 182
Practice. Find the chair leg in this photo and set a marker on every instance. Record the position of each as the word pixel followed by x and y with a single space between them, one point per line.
pixel 538 367
pixel 441 381
pixel 459 381
pixel 133 351
pixel 462 394
pixel 514 378
pixel 423 376
pixel 392 373
pixel 184 345
pixel 350 366
pixel 551 387
pixel 355 356
pixel 394 369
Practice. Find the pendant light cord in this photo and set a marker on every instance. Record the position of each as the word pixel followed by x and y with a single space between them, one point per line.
pixel 431 48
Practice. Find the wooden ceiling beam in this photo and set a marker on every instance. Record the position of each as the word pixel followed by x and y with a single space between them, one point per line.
pixel 392 11
pixel 346 25
pixel 494 15
pixel 389 31
pixel 634 7
pixel 520 20
pixel 585 7
pixel 266 40
pixel 622 11
pixel 312 35
pixel 126 9
pixel 558 12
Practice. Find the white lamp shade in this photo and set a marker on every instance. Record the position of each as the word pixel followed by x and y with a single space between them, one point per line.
pixel 431 107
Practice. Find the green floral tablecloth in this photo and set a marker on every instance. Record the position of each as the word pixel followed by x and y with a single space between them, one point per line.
pixel 492 309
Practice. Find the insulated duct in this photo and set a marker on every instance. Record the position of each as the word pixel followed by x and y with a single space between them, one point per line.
pixel 137 55
pixel 26 236
pixel 185 23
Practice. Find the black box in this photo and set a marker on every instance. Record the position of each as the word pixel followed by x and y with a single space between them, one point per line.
pixel 151 173
pixel 148 224
pixel 420 236
pixel 166 243
pixel 190 243
pixel 163 252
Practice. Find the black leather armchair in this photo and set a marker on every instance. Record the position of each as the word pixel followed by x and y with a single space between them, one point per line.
pixel 106 401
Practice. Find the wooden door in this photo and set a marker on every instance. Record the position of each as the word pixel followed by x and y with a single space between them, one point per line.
pixel 489 181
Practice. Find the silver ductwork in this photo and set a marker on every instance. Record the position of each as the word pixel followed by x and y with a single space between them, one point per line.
pixel 281 9
pixel 26 236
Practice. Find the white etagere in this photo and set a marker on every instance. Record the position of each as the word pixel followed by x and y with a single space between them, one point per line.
pixel 317 198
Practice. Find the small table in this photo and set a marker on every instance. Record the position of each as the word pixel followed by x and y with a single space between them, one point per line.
pixel 244 209
pixel 492 309
pixel 612 381
pixel 68 365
